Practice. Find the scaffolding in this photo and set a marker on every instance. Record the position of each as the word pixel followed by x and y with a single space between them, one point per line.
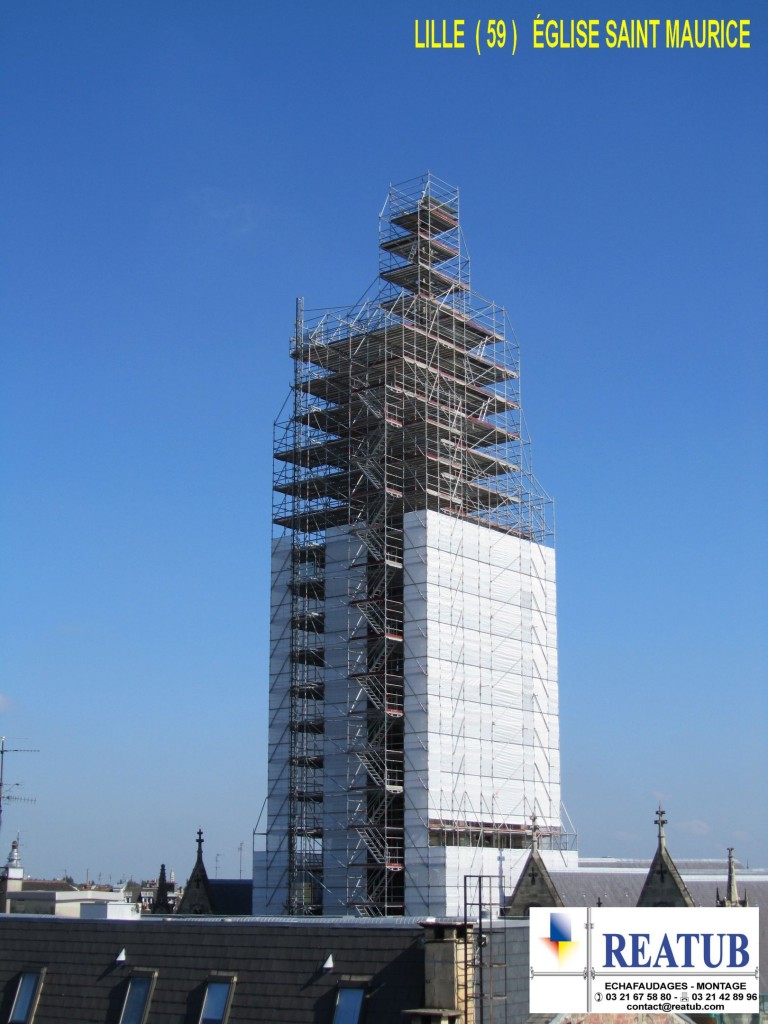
pixel 407 401
pixel 485 957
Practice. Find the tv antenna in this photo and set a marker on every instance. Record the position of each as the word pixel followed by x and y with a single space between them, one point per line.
pixel 4 786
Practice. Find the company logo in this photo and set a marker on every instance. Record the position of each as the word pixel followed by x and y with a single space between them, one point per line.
pixel 560 939
pixel 630 959
pixel 635 949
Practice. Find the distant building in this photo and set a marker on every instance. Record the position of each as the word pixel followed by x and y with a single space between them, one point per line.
pixel 204 895
pixel 157 889
pixel 413 722
pixel 731 898
pixel 57 897
pixel 11 877
pixel 613 882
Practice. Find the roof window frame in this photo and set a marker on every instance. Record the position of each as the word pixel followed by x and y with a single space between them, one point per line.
pixel 354 1013
pixel 33 999
pixel 140 973
pixel 218 978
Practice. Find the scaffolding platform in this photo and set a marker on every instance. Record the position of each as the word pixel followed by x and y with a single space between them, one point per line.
pixel 406 402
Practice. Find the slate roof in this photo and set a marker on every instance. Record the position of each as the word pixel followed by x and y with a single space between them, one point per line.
pixel 699 865
pixel 620 887
pixel 46 885
pixel 583 888
pixel 277 964
pixel 232 897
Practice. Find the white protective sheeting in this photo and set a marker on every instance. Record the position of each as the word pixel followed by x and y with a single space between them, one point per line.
pixel 481 704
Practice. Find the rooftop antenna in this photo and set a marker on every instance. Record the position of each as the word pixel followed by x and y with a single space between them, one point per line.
pixel 6 786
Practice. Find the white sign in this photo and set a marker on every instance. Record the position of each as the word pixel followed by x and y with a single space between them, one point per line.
pixel 663 959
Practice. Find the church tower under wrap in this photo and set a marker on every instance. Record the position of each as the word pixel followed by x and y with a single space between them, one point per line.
pixel 413 709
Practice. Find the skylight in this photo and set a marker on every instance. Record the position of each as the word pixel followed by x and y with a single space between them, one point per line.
pixel 349 1002
pixel 216 1002
pixel 25 1001
pixel 137 999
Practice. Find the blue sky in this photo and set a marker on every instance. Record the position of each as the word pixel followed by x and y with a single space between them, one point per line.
pixel 173 175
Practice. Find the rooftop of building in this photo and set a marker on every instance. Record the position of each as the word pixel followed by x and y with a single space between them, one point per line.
pixel 278 970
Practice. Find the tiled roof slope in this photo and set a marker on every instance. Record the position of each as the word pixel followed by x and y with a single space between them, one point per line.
pixel 278 967
pixel 231 896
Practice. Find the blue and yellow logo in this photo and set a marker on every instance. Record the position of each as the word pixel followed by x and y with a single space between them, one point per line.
pixel 559 940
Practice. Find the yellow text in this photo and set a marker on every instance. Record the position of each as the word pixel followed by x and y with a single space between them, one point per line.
pixel 708 33
pixel 449 35
pixel 566 35
pixel 633 33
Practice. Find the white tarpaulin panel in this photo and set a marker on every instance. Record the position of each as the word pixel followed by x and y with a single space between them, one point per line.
pixel 486 672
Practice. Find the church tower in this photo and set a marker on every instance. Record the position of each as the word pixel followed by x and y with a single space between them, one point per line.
pixel 413 710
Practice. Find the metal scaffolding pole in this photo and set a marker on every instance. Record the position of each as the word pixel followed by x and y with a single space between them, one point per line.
pixel 408 401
